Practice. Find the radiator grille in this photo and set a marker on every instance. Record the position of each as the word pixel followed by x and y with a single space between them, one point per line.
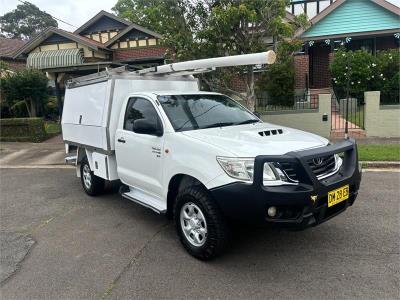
pixel 322 165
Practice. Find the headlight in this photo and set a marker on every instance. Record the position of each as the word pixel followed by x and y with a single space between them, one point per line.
pixel 243 169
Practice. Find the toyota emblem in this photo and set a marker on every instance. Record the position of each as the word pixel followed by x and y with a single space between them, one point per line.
pixel 318 161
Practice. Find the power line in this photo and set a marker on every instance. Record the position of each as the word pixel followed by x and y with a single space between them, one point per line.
pixel 26 2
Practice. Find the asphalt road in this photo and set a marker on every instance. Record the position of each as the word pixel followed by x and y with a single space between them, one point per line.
pixel 59 243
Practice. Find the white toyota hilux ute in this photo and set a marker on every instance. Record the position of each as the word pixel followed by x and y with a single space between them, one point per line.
pixel 201 158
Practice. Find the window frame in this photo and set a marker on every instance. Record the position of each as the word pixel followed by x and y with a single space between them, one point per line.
pixel 133 100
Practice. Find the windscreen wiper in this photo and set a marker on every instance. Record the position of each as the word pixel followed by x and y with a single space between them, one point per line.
pixel 220 124
pixel 248 122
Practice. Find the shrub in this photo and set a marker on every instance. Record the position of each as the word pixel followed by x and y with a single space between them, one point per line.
pixel 22 130
pixel 25 92
pixel 367 71
pixel 278 81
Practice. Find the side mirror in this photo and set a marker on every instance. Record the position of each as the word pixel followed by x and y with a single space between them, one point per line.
pixel 257 114
pixel 144 126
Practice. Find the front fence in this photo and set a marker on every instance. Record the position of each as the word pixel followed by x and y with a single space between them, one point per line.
pixel 355 115
pixel 391 97
pixel 302 102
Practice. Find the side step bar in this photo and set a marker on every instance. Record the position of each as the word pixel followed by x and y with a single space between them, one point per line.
pixel 127 196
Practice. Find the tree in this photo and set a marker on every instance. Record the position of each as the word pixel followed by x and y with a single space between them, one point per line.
pixel 279 79
pixel 241 27
pixel 200 28
pixel 25 21
pixel 25 89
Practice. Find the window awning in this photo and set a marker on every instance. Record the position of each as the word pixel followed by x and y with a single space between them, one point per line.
pixel 55 58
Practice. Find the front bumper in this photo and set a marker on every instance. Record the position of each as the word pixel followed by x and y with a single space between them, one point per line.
pixel 304 204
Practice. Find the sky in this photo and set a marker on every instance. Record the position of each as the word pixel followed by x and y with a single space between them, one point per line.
pixel 75 12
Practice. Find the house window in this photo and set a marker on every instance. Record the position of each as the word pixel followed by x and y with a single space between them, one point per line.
pixel 132 44
pixel 152 42
pixel 104 37
pixel 362 44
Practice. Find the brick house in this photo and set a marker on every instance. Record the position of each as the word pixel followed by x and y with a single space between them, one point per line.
pixel 370 25
pixel 8 47
pixel 103 41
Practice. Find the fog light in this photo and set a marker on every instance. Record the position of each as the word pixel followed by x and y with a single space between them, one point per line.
pixel 272 211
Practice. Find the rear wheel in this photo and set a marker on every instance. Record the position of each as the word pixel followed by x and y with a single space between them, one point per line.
pixel 200 225
pixel 92 184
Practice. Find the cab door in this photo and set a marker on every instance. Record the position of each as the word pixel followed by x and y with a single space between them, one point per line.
pixel 139 152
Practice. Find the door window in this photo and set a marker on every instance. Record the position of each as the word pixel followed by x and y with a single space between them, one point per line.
pixel 139 108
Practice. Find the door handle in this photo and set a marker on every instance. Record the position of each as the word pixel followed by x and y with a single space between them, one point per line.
pixel 121 140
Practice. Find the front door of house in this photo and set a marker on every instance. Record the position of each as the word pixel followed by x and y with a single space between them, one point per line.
pixel 319 66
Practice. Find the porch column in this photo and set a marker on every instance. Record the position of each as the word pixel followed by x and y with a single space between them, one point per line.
pixel 301 71
pixel 58 95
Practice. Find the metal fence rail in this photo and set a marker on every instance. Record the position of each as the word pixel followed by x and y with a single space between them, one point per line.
pixel 391 97
pixel 355 114
pixel 303 102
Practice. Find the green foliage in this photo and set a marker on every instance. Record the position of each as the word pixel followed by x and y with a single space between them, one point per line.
pixel 239 27
pixel 51 108
pixel 25 21
pixel 278 81
pixel 52 128
pixel 4 66
pixel 379 152
pixel 366 72
pixel 25 93
pixel 210 28
pixel 22 130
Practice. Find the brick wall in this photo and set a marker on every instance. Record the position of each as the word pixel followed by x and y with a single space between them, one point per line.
pixel 301 68
pixel 320 76
pixel 122 54
pixel 238 84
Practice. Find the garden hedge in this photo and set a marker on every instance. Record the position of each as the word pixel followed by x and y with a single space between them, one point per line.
pixel 22 130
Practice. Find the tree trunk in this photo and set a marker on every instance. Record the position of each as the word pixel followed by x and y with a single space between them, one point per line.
pixel 33 109
pixel 27 108
pixel 250 93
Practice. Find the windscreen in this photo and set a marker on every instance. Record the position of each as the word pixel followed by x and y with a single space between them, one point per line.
pixel 191 112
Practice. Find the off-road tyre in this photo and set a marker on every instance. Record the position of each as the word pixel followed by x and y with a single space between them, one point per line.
pixel 217 237
pixel 92 184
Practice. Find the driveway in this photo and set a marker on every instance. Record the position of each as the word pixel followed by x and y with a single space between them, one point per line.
pixel 59 243
pixel 31 155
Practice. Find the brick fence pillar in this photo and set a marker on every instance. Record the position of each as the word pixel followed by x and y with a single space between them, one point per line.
pixel 301 70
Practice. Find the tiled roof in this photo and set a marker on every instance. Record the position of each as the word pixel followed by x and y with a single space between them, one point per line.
pixel 9 46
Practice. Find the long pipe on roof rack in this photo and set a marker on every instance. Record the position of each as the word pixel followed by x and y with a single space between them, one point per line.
pixel 268 57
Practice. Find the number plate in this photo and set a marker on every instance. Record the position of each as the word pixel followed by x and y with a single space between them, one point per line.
pixel 338 195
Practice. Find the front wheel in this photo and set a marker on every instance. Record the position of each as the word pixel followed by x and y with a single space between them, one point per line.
pixel 200 225
pixel 92 184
